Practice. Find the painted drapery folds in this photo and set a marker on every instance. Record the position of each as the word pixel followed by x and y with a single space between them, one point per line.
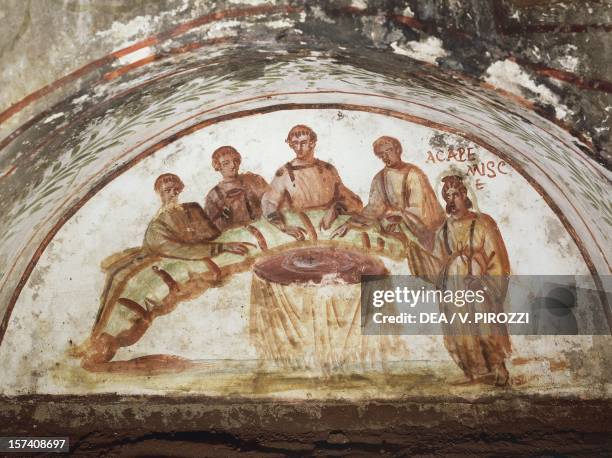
pixel 305 305
pixel 211 284
pixel 269 221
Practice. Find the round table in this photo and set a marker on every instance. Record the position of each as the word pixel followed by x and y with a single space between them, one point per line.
pixel 305 308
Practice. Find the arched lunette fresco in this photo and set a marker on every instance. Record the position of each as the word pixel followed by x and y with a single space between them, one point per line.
pixel 164 85
pixel 271 110
pixel 80 143
pixel 595 187
pixel 404 116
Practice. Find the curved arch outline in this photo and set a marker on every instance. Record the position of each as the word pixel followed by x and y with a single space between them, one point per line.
pixel 4 279
pixel 297 106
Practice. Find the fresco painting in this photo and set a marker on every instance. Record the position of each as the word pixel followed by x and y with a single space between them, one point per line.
pixel 259 273
pixel 469 248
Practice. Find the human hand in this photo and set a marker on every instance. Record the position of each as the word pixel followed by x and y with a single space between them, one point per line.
pixel 341 230
pixel 239 248
pixel 296 232
pixel 330 216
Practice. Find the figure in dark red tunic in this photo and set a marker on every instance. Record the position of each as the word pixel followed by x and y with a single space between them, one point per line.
pixel 236 199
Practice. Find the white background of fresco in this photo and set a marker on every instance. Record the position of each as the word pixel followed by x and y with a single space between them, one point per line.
pixel 60 301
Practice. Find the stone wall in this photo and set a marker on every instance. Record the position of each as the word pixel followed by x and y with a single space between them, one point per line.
pixel 556 54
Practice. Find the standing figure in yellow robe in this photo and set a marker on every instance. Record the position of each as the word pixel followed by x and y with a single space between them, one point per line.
pixel 236 199
pixel 401 193
pixel 472 256
pixel 307 183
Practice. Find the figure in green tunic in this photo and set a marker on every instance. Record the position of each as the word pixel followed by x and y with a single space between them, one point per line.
pixel 179 231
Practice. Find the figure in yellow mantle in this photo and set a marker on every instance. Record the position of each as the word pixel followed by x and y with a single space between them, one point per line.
pixel 472 255
pixel 401 196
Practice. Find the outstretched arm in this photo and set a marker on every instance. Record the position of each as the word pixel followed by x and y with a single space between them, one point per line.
pixel 415 225
pixel 273 198
pixel 344 201
pixel 368 215
pixel 160 241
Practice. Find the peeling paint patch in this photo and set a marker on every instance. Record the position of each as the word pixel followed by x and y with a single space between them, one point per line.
pixel 318 13
pixel 428 50
pixel 220 29
pixel 80 100
pixel 280 24
pixel 53 117
pixel 408 12
pixel 136 55
pixel 126 33
pixel 510 76
pixel 569 63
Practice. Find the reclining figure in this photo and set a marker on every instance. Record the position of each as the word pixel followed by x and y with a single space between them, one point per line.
pixel 179 231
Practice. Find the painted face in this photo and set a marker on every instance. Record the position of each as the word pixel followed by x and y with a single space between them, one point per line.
pixel 388 154
pixel 169 192
pixel 302 145
pixel 229 165
pixel 456 202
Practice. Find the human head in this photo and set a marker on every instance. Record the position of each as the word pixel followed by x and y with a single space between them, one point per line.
pixel 226 160
pixel 168 186
pixel 455 195
pixel 389 150
pixel 302 140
